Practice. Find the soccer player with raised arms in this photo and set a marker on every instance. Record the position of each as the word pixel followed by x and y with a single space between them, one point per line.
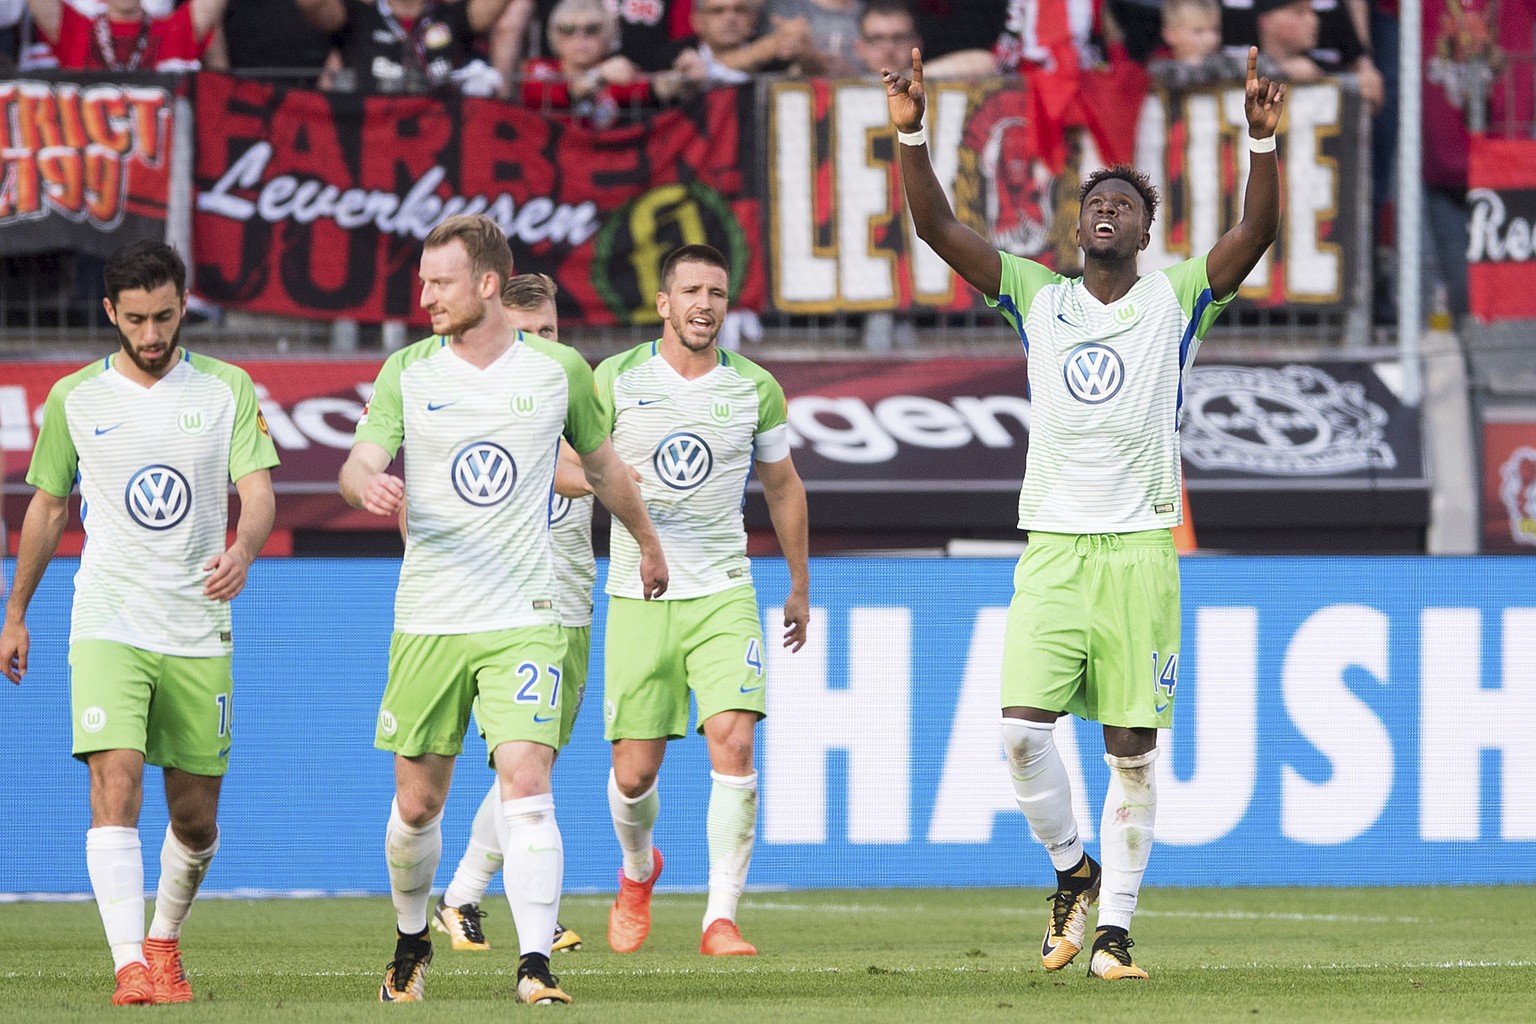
pixel 695 420
pixel 1093 629
pixel 480 409
pixel 154 435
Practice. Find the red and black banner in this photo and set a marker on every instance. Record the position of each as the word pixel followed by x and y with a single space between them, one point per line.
pixel 315 204
pixel 1501 246
pixel 840 237
pixel 85 165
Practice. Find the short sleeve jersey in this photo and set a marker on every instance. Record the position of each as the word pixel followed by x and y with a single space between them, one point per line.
pixel 570 531
pixel 480 450
pixel 693 443
pixel 164 44
pixel 154 466
pixel 1106 387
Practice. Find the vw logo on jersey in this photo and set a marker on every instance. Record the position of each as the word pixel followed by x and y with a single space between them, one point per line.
pixel 683 460
pixel 158 497
pixel 559 508
pixel 484 473
pixel 1094 373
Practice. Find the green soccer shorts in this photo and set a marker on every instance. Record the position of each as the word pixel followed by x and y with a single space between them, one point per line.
pixel 655 652
pixel 512 678
pixel 1094 628
pixel 175 711
pixel 578 650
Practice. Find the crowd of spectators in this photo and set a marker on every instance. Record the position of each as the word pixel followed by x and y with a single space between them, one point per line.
pixel 650 52
pixel 1087 62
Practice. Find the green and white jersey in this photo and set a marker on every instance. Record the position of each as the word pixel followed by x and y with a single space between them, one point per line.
pixel 693 442
pixel 480 450
pixel 570 531
pixel 1106 387
pixel 154 466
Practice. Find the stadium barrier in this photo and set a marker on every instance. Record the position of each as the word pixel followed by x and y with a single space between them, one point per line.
pixel 298 203
pixel 1343 721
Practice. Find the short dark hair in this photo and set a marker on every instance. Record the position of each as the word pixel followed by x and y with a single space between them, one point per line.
pixel 145 266
pixel 528 291
pixel 706 254
pixel 1122 172
pixel 886 7
pixel 482 239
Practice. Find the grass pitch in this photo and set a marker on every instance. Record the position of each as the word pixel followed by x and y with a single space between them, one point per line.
pixel 1292 955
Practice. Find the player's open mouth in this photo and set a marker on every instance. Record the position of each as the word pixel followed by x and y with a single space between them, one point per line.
pixel 1104 229
pixel 703 323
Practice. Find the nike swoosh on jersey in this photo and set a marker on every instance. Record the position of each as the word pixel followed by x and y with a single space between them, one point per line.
pixel 107 430
pixel 649 401
pixel 541 721
pixel 751 689
pixel 1062 317
pixel 434 406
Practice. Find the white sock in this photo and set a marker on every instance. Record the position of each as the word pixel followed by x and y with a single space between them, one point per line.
pixel 181 875
pixel 482 858
pixel 412 855
pixel 732 830
pixel 115 861
pixel 1042 789
pixel 633 822
pixel 535 870
pixel 1125 835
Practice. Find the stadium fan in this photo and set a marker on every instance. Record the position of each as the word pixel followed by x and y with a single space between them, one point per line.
pixel 409 46
pixel 587 78
pixel 887 35
pixel 1097 589
pixel 732 50
pixel 124 35
pixel 153 434
pixel 1192 55
pixel 833 27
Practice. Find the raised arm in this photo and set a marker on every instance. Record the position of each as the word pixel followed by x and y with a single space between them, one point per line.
pixel 785 492
pixel 47 515
pixel 614 484
pixel 47 16
pixel 484 14
pixel 970 255
pixel 207 15
pixel 325 15
pixel 1239 250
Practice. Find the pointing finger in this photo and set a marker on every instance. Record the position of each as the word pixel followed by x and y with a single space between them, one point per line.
pixel 917 66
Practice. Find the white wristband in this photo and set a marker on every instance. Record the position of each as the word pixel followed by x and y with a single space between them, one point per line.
pixel 917 138
pixel 1266 145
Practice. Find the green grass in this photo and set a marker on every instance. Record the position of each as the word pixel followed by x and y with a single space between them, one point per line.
pixel 1288 955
